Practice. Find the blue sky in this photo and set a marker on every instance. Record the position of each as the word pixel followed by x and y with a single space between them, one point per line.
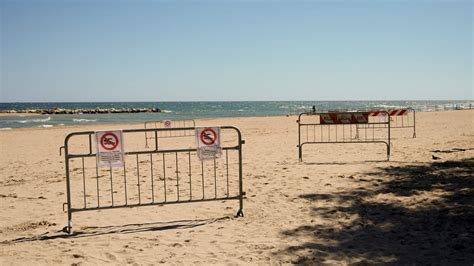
pixel 235 50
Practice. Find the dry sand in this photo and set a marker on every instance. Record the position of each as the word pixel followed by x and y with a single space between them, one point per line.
pixel 343 205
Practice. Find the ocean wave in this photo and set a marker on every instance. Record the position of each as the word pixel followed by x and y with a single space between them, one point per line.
pixel 166 111
pixel 83 120
pixel 5 128
pixel 46 126
pixel 33 120
pixel 387 106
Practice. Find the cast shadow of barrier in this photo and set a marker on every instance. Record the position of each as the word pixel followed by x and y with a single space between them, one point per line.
pixel 122 229
pixel 418 214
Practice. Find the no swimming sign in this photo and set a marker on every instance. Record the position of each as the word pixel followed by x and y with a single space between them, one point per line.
pixel 109 148
pixel 208 143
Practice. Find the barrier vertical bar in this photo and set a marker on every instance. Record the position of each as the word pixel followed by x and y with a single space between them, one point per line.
pixel 90 143
pixel 125 182
pixel 67 229
pixel 215 180
pixel 111 186
pixel 84 181
pixel 343 133
pixel 227 170
pixel 97 179
pixel 388 140
pixel 146 136
pixel 414 123
pixel 164 175
pixel 151 174
pixel 299 137
pixel 321 133
pixel 138 182
pixel 202 173
pixel 177 176
pixel 314 133
pixel 190 178
pixel 241 190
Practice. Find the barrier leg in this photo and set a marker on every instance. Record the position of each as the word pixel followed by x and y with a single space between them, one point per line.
pixel 68 229
pixel 388 152
pixel 240 212
pixel 414 123
pixel 300 153
pixel 69 223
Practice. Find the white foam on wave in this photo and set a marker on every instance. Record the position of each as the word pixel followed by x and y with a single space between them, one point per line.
pixel 46 126
pixel 387 106
pixel 83 120
pixel 33 120
pixel 166 111
pixel 5 128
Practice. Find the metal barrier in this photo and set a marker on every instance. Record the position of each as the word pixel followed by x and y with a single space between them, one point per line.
pixel 151 177
pixel 343 128
pixel 399 118
pixel 168 134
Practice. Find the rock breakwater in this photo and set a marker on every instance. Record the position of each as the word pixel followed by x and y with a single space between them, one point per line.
pixel 61 111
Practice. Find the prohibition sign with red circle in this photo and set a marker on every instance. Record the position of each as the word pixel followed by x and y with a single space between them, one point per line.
pixel 208 136
pixel 109 141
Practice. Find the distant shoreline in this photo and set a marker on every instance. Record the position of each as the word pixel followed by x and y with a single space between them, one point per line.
pixel 131 124
pixel 53 115
pixel 5 114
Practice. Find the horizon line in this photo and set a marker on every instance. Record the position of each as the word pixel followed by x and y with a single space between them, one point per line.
pixel 192 101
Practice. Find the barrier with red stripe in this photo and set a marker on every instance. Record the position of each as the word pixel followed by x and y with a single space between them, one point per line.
pixel 342 127
pixel 399 118
pixel 344 118
pixel 393 112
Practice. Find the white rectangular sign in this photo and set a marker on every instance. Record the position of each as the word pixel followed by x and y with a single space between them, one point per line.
pixel 208 143
pixel 109 148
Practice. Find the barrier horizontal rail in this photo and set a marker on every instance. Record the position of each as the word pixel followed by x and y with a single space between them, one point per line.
pixel 151 177
pixel 341 128
pixel 182 123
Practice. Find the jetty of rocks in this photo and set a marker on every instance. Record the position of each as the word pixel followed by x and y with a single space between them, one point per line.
pixel 61 111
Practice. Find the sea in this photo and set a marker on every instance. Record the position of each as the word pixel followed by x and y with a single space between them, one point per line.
pixel 196 110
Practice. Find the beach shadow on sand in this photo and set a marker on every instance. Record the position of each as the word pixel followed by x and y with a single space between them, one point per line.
pixel 122 229
pixel 418 214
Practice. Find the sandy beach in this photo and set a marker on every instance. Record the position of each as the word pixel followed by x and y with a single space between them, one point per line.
pixel 344 204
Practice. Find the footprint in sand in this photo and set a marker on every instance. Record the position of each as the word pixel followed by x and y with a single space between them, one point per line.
pixel 110 256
